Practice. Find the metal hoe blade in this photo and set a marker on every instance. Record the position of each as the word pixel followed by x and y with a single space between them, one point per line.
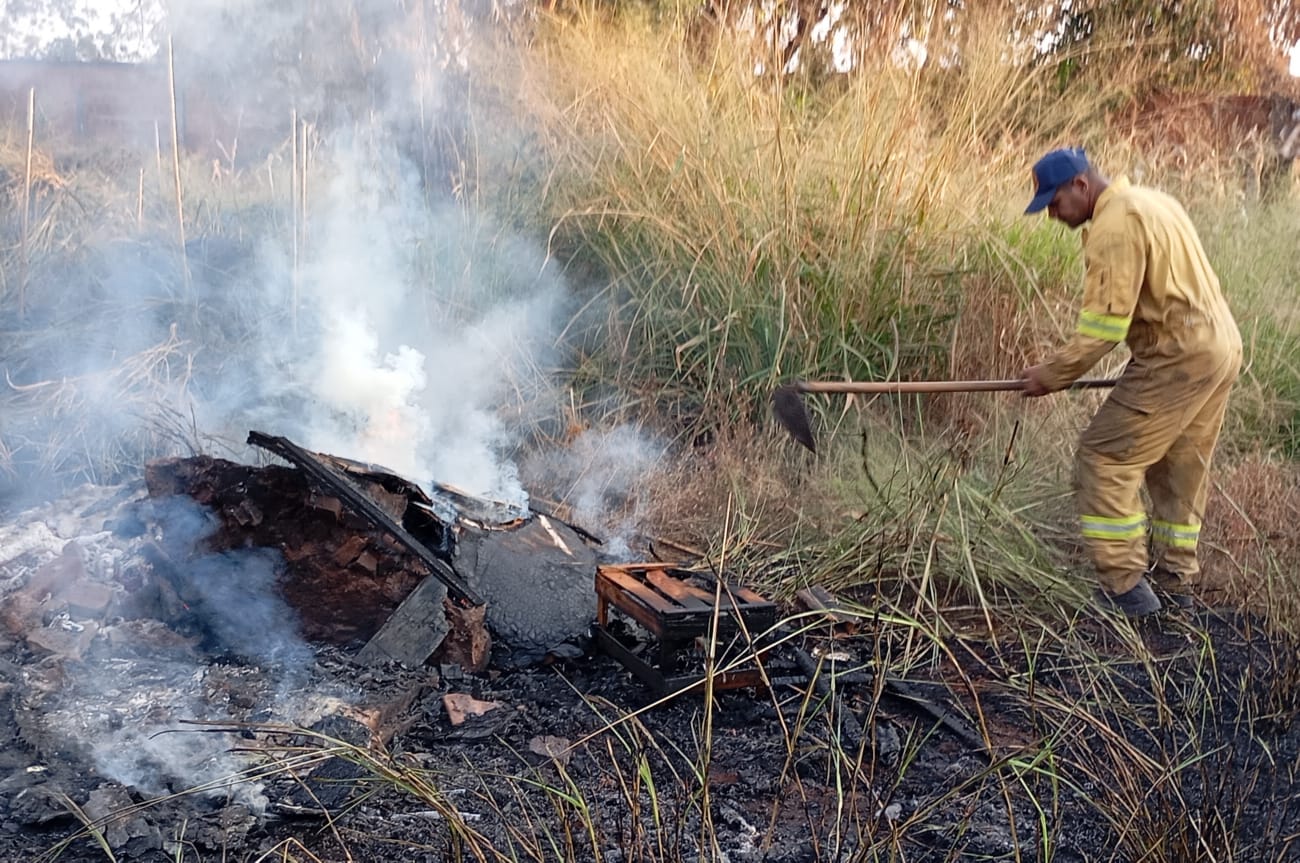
pixel 792 414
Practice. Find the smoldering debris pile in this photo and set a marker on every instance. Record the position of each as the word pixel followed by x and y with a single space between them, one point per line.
pixel 215 595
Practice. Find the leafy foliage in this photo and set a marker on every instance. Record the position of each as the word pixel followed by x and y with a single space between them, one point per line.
pixel 1150 47
pixel 73 30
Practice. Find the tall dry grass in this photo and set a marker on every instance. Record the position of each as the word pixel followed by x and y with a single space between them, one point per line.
pixel 758 229
pixel 751 228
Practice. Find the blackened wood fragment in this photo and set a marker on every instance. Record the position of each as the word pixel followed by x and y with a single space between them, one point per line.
pixel 414 631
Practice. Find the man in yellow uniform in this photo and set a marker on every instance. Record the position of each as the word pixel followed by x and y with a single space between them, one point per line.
pixel 1148 283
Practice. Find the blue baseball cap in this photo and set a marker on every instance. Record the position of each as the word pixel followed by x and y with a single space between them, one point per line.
pixel 1053 171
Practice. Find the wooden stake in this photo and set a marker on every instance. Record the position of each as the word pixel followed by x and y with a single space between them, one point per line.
pixel 300 218
pixel 293 217
pixel 24 254
pixel 157 150
pixel 302 186
pixel 176 172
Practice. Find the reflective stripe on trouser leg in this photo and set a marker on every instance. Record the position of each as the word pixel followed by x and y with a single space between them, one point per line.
pixel 1117 547
pixel 1173 546
pixel 1114 453
pixel 1181 536
pixel 1179 483
pixel 1126 528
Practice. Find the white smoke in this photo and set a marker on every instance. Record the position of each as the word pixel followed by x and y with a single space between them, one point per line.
pixel 421 341
pixel 132 702
pixel 158 759
pixel 380 322
pixel 601 477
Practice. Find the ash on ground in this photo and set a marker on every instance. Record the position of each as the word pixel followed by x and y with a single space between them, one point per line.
pixel 203 702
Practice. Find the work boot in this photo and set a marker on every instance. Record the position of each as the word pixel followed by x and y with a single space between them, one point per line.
pixel 1170 588
pixel 1139 601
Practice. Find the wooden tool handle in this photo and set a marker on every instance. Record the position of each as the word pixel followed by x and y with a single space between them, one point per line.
pixel 932 386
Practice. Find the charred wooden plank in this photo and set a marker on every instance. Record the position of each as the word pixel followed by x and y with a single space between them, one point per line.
pixel 962 730
pixel 747 600
pixel 660 683
pixel 679 591
pixel 359 503
pixel 633 598
pixel 751 599
pixel 414 631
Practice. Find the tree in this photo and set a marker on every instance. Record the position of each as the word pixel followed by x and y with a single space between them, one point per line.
pixel 123 31
pixel 1161 45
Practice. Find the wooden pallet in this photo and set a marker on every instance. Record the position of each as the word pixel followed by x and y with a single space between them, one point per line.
pixel 676 613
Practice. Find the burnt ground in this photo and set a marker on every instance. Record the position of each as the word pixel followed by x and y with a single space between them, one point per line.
pixel 1188 753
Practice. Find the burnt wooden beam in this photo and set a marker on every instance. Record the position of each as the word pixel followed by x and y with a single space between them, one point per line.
pixel 361 504
pixel 906 691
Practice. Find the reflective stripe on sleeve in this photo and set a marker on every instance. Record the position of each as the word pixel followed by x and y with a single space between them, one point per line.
pixel 1108 328
pixel 1175 535
pixel 1100 527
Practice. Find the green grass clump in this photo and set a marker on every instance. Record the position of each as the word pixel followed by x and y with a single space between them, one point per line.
pixel 1253 249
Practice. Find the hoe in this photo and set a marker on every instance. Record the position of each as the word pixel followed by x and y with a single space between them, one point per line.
pixel 788 406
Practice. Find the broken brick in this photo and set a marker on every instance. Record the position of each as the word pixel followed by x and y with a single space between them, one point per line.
pixel 460 706
pixel 332 505
pixel 349 551
pixel 468 643
pixel 53 575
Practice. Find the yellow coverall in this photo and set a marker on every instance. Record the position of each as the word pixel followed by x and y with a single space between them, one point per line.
pixel 1147 282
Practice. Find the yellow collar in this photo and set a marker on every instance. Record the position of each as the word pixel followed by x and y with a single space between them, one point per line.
pixel 1116 186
